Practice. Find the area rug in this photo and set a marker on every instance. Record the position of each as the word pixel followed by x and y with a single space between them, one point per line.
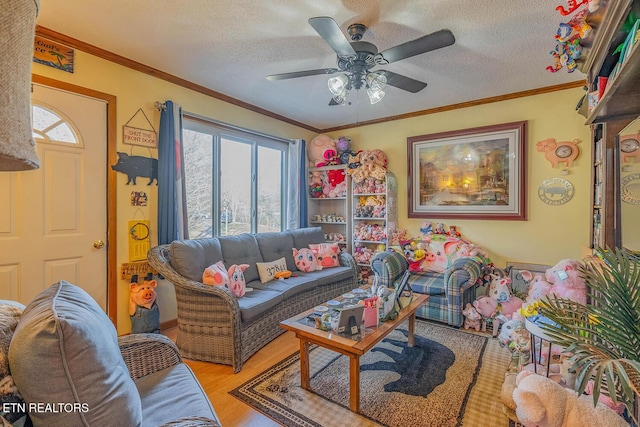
pixel 449 378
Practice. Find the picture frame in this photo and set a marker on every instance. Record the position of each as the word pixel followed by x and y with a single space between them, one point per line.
pixel 475 173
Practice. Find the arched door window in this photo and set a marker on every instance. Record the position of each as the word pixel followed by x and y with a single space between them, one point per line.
pixel 52 126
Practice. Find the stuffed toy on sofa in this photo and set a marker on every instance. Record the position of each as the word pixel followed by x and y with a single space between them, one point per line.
pixel 542 402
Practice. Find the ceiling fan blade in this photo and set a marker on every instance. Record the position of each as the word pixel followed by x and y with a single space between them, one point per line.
pixel 331 33
pixel 404 82
pixel 295 74
pixel 418 46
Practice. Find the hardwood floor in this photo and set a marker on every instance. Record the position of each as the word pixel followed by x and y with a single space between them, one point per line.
pixel 218 380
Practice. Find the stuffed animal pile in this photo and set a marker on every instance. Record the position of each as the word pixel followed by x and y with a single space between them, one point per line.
pixel 232 278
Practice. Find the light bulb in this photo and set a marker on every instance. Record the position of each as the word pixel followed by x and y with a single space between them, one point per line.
pixel 375 95
pixel 338 84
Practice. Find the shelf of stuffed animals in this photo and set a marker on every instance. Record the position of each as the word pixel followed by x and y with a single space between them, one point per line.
pixel 374 209
pixel 329 201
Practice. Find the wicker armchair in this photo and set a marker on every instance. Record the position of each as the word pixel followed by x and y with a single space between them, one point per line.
pixel 146 354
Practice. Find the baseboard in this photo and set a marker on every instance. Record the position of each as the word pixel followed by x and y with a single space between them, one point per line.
pixel 172 323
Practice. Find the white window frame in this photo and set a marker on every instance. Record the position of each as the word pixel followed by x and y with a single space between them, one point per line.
pixel 218 131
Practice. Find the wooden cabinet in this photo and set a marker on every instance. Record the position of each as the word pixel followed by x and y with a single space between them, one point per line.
pixel 374 216
pixel 618 106
pixel 330 210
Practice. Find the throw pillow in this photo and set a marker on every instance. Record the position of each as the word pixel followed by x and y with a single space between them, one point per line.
pixel 267 270
pixel 306 260
pixel 327 254
pixel 65 352
pixel 216 275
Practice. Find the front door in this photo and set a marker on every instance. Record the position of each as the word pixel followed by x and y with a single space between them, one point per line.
pixel 53 220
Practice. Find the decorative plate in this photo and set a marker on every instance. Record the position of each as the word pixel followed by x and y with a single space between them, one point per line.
pixel 348 295
pixel 359 291
pixel 333 302
pixel 320 309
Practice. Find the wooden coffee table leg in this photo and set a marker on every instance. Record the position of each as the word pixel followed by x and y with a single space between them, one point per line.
pixel 354 395
pixel 305 381
pixel 412 328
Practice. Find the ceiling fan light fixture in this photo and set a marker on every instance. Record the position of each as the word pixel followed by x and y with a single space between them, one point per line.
pixel 341 98
pixel 375 95
pixel 338 84
pixel 376 81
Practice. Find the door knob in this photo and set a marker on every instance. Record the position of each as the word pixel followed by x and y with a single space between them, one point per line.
pixel 98 244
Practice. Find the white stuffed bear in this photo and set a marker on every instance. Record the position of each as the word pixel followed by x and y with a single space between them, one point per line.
pixel 542 402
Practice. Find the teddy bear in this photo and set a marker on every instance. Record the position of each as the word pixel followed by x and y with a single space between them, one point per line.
pixel 567 281
pixel 322 151
pixel 542 402
pixel 143 310
pixel 10 314
pixel 472 319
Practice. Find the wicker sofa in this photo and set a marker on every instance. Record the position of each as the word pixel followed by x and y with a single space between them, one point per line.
pixel 215 326
pixel 449 292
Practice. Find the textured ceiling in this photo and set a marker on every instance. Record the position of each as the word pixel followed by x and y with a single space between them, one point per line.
pixel 502 47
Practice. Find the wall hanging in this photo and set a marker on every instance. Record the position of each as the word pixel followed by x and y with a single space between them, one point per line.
pixel 139 239
pixel 555 191
pixel 139 131
pixel 52 54
pixel 135 166
pixel 476 173
pixel 559 152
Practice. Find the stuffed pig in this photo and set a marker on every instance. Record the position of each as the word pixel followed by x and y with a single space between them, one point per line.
pixel 144 312
pixel 567 281
pixel 237 282
pixel 306 260
pixel 538 286
pixel 322 151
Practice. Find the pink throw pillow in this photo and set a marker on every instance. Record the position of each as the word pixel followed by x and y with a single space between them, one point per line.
pixel 327 254
pixel 216 275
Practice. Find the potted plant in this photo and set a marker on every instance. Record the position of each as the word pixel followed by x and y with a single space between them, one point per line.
pixel 604 334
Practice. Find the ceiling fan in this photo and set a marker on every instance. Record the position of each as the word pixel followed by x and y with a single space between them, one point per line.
pixel 357 58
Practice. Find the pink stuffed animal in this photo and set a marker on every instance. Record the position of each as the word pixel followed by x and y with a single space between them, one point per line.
pixel 322 151
pixel 538 286
pixel 237 283
pixel 306 260
pixel 216 275
pixel 472 319
pixel 567 281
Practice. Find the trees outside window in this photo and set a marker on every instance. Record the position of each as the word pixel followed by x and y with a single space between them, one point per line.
pixel 235 181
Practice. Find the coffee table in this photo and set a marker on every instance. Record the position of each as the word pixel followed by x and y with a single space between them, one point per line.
pixel 353 347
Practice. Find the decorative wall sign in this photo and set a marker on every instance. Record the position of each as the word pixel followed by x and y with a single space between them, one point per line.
pixel 139 131
pixel 631 189
pixel 135 166
pixel 139 198
pixel 139 239
pixel 559 152
pixel 53 54
pixel 555 191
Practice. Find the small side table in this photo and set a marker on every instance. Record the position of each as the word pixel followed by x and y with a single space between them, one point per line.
pixel 537 332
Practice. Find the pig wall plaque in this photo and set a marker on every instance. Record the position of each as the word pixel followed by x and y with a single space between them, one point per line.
pixel 135 166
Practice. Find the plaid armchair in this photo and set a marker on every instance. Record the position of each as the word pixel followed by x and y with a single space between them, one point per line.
pixel 449 292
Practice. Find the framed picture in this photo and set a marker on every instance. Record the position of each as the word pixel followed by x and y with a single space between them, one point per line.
pixel 476 173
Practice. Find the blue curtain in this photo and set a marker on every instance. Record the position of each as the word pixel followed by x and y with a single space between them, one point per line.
pixel 304 187
pixel 172 206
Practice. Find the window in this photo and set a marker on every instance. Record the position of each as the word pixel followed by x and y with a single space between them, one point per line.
pixel 235 179
pixel 51 126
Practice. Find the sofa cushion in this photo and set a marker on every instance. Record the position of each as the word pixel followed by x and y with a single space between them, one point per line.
pixel 65 351
pixel 256 302
pixel 326 253
pixel 276 245
pixel 288 287
pixel 330 275
pixel 190 257
pixel 303 237
pixel 241 249
pixel 160 387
